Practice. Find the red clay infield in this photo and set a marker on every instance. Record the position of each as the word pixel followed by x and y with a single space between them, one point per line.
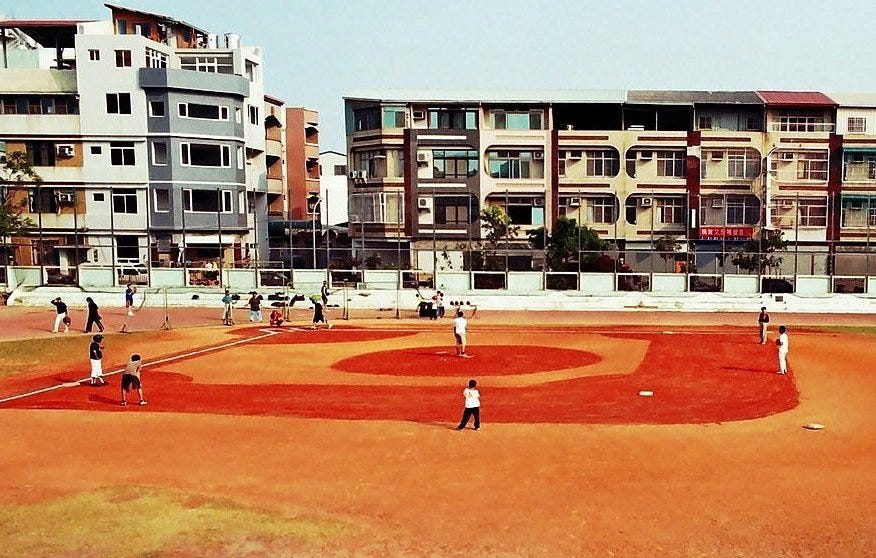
pixel 696 377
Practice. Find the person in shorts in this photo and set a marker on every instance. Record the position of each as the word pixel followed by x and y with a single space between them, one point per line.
pixel 255 307
pixel 95 355
pixel 459 326
pixel 129 299
pixel 131 379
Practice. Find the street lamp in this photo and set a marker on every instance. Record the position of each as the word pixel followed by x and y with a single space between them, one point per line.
pixel 314 203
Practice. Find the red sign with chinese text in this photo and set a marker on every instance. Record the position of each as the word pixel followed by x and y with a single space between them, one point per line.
pixel 726 233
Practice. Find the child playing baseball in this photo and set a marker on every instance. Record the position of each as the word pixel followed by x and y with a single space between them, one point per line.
pixel 131 379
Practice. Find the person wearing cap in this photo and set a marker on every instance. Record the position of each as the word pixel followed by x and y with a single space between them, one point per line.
pixel 61 315
pixel 95 355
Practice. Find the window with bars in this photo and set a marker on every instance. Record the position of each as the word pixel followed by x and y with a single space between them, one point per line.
pixel 859 167
pixel 602 162
pixel 155 59
pixel 742 210
pixel 856 125
pixel 671 163
pixel 812 165
pixel 802 121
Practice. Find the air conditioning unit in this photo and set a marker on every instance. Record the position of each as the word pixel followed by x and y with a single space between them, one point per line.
pixel 538 202
pixel 786 156
pixel 424 156
pixel 574 202
pixel 717 155
pixel 423 203
pixel 717 203
pixel 538 155
pixel 419 115
pixel 646 155
pixel 64 150
pixel 66 197
pixel 646 202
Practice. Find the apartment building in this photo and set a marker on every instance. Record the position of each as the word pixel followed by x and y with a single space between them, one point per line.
pixel 149 135
pixel 711 169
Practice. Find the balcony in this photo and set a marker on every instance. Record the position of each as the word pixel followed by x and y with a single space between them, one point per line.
pixel 273 148
pixel 166 78
pixel 275 185
pixel 39 124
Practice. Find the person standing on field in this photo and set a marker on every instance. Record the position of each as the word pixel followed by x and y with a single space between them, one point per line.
pixel 782 344
pixel 131 379
pixel 763 319
pixel 129 299
pixel 472 406
pixel 93 316
pixel 61 315
pixel 255 307
pixel 95 355
pixel 228 312
pixel 459 326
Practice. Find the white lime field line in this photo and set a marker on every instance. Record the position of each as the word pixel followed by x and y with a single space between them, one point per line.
pixel 266 333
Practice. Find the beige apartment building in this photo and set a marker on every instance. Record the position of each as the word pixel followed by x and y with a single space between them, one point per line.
pixel 711 170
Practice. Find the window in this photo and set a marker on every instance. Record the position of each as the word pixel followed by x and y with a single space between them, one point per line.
pixel 209 64
pixel 813 212
pixel 96 150
pixel 802 121
pixel 122 153
pixel 561 167
pixel 207 201
pixel 453 119
pixel 393 117
pixel 205 155
pixel 155 59
pixel 42 200
pixel 859 167
pixel 118 103
pixel 670 210
pixel 599 210
pixel 454 163
pixel 454 210
pixel 121 27
pixel 812 165
pixel 603 162
pixel 517 120
pixel 366 119
pixel 98 197
pixel 93 54
pixel 159 153
pixel 127 248
pixel 205 112
pixel 743 163
pixel 238 115
pixel 515 164
pixel 856 125
pixel 156 108
pixel 340 170
pixel 240 161
pixel 378 207
pixel 671 163
pixel 161 199
pixel 125 201
pixel 253 114
pixel 251 69
pixel 40 153
pixel 123 58
pixel 704 123
pixel 143 29
pixel 742 210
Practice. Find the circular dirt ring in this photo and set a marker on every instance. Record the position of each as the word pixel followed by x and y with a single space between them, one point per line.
pixel 485 360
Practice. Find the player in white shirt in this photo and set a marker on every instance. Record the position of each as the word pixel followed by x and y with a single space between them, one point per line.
pixel 459 326
pixel 472 406
pixel 782 344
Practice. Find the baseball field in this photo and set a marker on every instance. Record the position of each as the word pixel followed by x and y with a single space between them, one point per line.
pixel 604 434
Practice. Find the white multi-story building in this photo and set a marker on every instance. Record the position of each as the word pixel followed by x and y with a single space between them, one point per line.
pixel 149 136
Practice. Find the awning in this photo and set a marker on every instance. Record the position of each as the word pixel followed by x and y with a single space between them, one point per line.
pixel 859 149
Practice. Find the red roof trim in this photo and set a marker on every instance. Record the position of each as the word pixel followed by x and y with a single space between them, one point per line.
pixel 796 98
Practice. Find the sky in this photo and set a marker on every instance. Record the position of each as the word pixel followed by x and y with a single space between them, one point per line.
pixel 317 51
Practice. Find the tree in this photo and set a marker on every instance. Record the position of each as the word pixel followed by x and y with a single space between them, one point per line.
pixel 565 242
pixel 15 170
pixel 667 246
pixel 758 255
pixel 497 226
